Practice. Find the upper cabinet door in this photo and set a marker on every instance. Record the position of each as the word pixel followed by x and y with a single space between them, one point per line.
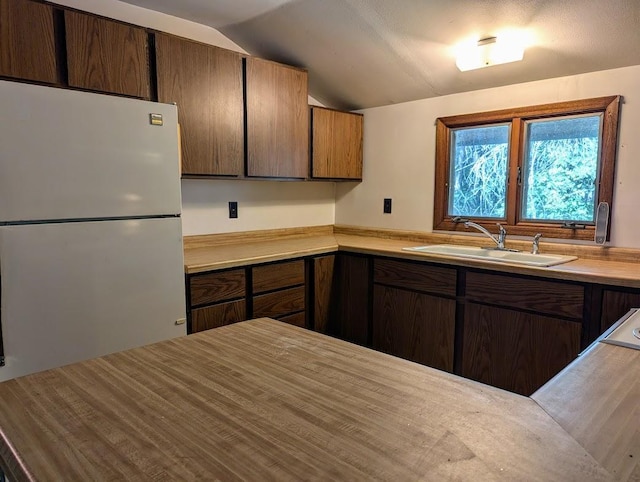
pixel 206 84
pixel 107 56
pixel 277 120
pixel 27 42
pixel 336 144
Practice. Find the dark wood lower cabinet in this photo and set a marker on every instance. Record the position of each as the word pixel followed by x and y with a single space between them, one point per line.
pixel 324 292
pixel 297 319
pixel 511 331
pixel 616 303
pixel 515 350
pixel 279 303
pixel 217 315
pixel 351 319
pixel 414 326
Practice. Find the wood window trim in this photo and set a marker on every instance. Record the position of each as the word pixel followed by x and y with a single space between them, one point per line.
pixel 609 106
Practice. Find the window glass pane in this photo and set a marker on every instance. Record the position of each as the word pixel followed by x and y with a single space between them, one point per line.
pixel 478 171
pixel 560 169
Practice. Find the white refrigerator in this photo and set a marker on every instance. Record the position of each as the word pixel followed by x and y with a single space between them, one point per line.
pixel 91 257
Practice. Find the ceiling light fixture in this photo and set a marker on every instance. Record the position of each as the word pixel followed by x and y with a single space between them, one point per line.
pixel 489 51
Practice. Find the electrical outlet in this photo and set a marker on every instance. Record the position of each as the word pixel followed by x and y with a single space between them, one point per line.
pixel 233 209
pixel 386 209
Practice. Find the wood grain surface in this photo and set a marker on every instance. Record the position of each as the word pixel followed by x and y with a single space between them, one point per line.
pixel 414 326
pixel 263 400
pixel 336 144
pixel 586 251
pixel 279 303
pixel 218 315
pixel 206 84
pixel 542 296
pixel 262 235
pixel 596 400
pixel 620 269
pixel 212 256
pixel 514 350
pixel 352 278
pixel 217 286
pixel 324 292
pixel 296 319
pixel 106 55
pixel 27 41
pixel 420 277
pixel 278 275
pixel 615 304
pixel 277 120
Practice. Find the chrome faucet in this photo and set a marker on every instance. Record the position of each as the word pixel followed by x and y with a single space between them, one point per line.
pixel 535 248
pixel 499 240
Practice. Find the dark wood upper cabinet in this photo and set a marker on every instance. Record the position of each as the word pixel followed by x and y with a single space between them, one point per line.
pixel 107 56
pixel 336 144
pixel 27 41
pixel 206 84
pixel 277 120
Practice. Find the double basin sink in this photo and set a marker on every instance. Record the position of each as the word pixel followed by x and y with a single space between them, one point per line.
pixel 493 255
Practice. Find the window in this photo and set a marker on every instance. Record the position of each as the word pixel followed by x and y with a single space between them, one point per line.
pixel 540 169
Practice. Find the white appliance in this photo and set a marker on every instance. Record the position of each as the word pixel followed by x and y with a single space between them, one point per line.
pixel 91 255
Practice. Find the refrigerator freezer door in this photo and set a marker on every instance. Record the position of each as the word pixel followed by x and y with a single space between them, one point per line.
pixel 81 290
pixel 66 154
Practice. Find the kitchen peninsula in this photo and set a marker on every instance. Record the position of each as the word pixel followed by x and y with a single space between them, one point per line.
pixel 507 325
pixel 264 400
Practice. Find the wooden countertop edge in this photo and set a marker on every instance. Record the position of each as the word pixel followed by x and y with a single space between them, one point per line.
pixel 257 259
pixel 583 251
pixel 587 412
pixel 220 239
pixel 571 271
pixel 228 255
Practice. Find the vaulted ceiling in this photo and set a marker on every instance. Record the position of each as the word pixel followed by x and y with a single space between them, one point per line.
pixel 366 53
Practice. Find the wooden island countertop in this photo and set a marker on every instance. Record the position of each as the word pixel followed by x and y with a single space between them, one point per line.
pixel 263 400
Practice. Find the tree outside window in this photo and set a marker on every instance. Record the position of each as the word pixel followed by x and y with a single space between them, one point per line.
pixel 540 169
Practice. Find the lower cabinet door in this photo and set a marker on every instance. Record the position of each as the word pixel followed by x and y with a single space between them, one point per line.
pixel 514 350
pixel 615 304
pixel 414 326
pixel 297 319
pixel 217 315
pixel 279 303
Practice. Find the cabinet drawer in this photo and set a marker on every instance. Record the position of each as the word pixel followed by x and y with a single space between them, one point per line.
pixel 279 303
pixel 297 319
pixel 276 276
pixel 549 297
pixel 420 277
pixel 217 315
pixel 217 286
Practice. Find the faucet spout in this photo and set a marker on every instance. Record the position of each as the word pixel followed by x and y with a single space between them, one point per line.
pixel 499 240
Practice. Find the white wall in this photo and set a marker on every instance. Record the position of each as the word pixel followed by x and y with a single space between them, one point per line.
pixel 261 204
pixel 399 151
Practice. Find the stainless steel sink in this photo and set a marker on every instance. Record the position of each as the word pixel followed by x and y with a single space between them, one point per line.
pixel 493 255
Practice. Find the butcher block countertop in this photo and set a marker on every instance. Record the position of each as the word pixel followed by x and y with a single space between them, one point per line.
pixel 611 266
pixel 263 400
pixel 596 399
